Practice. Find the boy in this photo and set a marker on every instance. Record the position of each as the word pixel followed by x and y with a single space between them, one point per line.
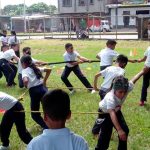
pixel 111 115
pixel 107 55
pixel 56 107
pixel 146 76
pixel 109 74
pixel 71 55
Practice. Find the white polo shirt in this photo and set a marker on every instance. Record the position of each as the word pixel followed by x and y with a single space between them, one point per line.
pixel 70 57
pixel 7 101
pixel 33 81
pixel 4 39
pixel 58 139
pixel 11 40
pixel 109 74
pixel 147 54
pixel 9 54
pixel 106 56
pixel 110 101
pixel 1 55
pixel 20 66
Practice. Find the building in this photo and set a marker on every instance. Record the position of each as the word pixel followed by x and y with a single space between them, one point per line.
pixel 5 22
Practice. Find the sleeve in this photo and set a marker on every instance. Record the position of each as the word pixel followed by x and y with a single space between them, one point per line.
pixel 34 60
pixel 42 69
pixel 115 53
pixel 104 72
pixel 146 52
pixel 76 53
pixel 99 54
pixel 131 86
pixel 12 53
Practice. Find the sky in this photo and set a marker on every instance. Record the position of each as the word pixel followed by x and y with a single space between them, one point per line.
pixel 27 2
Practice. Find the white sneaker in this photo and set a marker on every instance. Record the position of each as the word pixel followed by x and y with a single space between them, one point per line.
pixel 93 91
pixel 4 147
pixel 72 92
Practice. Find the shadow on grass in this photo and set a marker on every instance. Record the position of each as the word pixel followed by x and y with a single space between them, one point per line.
pixel 147 107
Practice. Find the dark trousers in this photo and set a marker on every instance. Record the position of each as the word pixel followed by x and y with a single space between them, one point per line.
pixel 106 132
pixel 78 73
pixel 20 81
pixel 146 78
pixel 9 70
pixel 36 94
pixel 1 74
pixel 11 117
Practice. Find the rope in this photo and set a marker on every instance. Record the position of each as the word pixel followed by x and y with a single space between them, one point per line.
pixel 71 88
pixel 20 98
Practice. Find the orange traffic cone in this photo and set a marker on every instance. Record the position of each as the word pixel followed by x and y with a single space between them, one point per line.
pixel 134 52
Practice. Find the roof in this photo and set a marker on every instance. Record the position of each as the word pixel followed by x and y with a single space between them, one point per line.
pixel 33 17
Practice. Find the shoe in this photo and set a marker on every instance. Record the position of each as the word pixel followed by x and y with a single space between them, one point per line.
pixel 72 92
pixel 93 91
pixel 4 147
pixel 141 103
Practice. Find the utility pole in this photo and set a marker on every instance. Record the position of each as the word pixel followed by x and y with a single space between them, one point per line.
pixel 24 15
pixel 0 8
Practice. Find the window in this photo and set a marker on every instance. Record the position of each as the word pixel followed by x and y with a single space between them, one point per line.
pixel 67 3
pixel 82 2
pixel 91 2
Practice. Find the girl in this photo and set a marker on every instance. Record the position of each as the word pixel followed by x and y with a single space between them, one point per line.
pixel 31 76
pixel 10 104
pixel 14 40
pixel 4 38
pixel 111 115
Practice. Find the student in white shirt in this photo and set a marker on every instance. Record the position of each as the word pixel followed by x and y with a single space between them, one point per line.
pixel 10 105
pixel 111 115
pixel 109 74
pixel 146 76
pixel 32 79
pixel 4 38
pixel 71 55
pixel 14 40
pixel 7 67
pixel 26 51
pixel 56 108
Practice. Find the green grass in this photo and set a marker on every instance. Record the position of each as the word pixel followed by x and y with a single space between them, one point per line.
pixel 138 118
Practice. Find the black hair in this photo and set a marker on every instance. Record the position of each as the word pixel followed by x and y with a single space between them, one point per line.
pixel 68 45
pixel 13 45
pixel 28 61
pixel 3 46
pixel 111 42
pixel 56 104
pixel 27 50
pixel 122 59
pixel 14 33
pixel 119 83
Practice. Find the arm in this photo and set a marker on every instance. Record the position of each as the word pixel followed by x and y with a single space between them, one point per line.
pixel 48 71
pixel 16 58
pixel 132 61
pixel 142 60
pixel 83 59
pixel 121 133
pixel 98 57
pixel 95 81
pixel 25 81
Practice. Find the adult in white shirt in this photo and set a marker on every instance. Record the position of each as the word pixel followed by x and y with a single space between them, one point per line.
pixel 109 74
pixel 10 105
pixel 71 55
pixel 111 115
pixel 14 40
pixel 56 108
pixel 9 69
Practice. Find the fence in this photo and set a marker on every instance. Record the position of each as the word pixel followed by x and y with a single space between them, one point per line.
pixel 81 27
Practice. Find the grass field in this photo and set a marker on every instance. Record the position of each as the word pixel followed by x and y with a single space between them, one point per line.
pixel 137 118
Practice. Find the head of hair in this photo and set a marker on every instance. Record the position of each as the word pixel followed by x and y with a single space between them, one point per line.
pixel 3 46
pixel 122 59
pixel 27 49
pixel 13 45
pixel 56 104
pixel 111 42
pixel 4 31
pixel 120 83
pixel 27 60
pixel 68 45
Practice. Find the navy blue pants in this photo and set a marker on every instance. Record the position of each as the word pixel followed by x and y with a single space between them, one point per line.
pixel 78 73
pixel 106 132
pixel 9 70
pixel 20 81
pixel 146 78
pixel 11 117
pixel 36 94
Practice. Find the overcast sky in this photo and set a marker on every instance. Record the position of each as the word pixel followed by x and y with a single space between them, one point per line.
pixel 27 2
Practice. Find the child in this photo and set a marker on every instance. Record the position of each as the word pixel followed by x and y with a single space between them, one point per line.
pixel 26 51
pixel 10 104
pixel 107 55
pixel 111 115
pixel 109 74
pixel 4 38
pixel 56 107
pixel 31 76
pixel 9 69
pixel 146 76
pixel 71 55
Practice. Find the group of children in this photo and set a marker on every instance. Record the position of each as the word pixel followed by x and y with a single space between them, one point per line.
pixel 56 103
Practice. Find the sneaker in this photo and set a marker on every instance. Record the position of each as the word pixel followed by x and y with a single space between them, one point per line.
pixel 72 92
pixel 141 103
pixel 4 147
pixel 93 91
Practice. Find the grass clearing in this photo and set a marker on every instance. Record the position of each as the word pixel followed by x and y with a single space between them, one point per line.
pixel 137 118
